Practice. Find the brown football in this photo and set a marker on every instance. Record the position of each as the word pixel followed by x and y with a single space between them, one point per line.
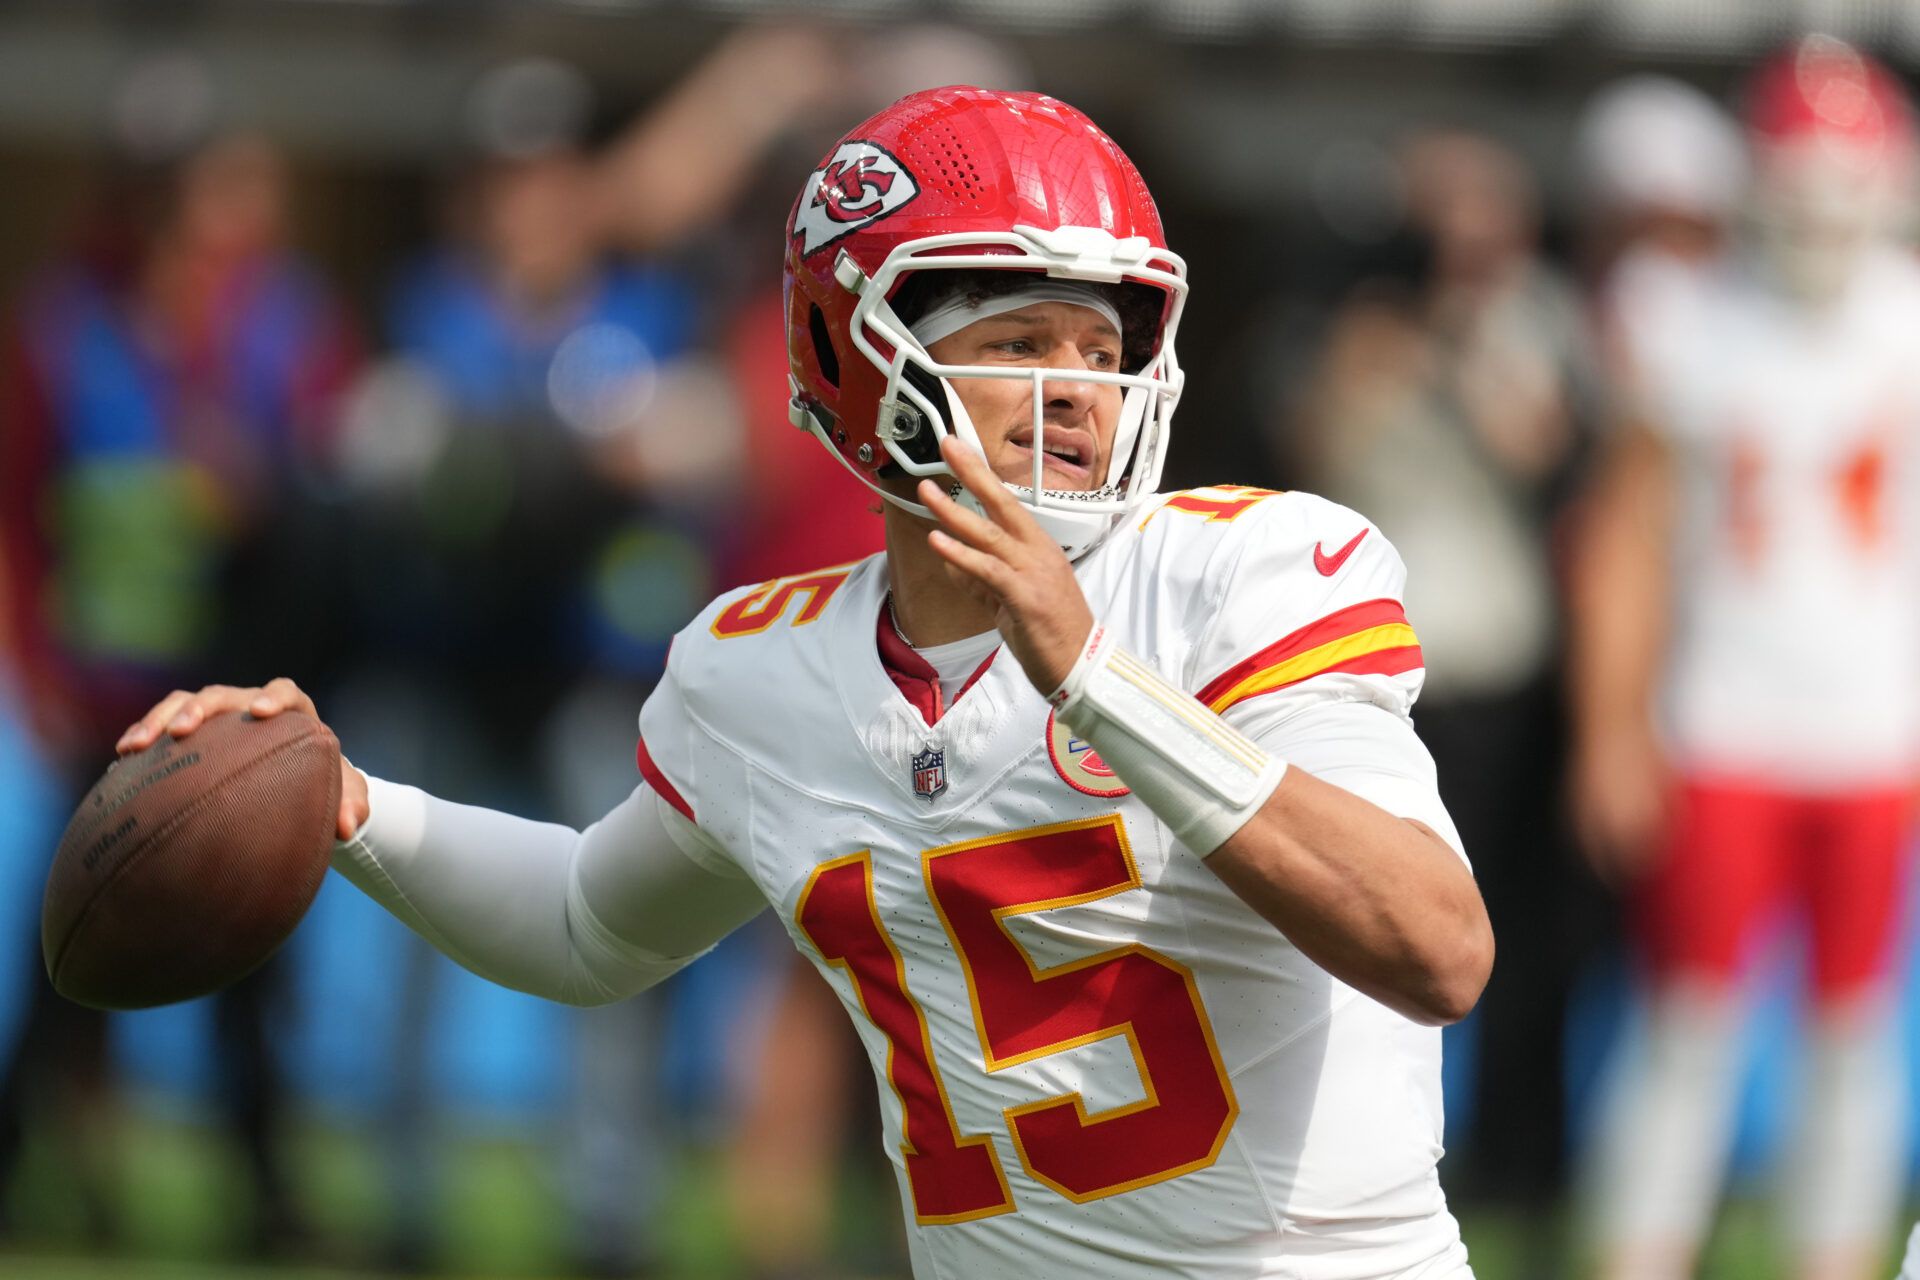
pixel 189 863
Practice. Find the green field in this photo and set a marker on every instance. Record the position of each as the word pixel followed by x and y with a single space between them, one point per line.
pixel 183 1212
pixel 182 1207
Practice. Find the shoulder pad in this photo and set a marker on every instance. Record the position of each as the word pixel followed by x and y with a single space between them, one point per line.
pixel 1307 589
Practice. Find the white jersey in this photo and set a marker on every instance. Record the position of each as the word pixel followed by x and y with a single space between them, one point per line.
pixel 1795 653
pixel 1093 1059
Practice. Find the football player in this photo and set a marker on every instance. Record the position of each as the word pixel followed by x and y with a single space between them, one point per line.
pixel 1099 808
pixel 1747 668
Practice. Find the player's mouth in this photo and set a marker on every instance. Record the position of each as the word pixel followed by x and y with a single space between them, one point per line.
pixel 1069 462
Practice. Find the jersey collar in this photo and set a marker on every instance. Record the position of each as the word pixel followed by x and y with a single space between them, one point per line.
pixel 912 674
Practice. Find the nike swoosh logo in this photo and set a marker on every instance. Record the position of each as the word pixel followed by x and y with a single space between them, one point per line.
pixel 1328 565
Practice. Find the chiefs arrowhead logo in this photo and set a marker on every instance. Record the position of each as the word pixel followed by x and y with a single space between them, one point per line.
pixel 861 183
pixel 853 188
pixel 1078 764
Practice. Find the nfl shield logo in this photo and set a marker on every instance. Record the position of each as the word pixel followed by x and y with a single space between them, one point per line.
pixel 930 773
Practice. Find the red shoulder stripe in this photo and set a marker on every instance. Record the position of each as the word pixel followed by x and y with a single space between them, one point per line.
pixel 658 781
pixel 1341 622
pixel 1381 662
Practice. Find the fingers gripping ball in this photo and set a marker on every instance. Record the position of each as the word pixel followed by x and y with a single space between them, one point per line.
pixel 190 862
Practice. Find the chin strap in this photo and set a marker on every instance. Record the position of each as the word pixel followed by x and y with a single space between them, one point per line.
pixel 1198 774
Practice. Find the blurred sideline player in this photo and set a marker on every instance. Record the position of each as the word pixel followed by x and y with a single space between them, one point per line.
pixel 1149 980
pixel 1748 664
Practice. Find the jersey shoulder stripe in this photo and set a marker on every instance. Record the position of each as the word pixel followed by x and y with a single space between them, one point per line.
pixel 658 780
pixel 1369 638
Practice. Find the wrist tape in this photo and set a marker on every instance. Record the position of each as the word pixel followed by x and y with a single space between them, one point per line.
pixel 1198 774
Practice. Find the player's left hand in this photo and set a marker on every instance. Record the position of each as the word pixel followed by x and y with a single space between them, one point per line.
pixel 1006 560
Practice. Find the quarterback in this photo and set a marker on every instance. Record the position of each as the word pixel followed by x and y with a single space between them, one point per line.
pixel 1099 808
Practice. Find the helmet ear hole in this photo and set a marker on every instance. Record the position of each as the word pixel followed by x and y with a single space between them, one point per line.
pixel 823 351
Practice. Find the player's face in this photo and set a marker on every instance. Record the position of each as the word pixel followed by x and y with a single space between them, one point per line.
pixel 1818 204
pixel 1080 416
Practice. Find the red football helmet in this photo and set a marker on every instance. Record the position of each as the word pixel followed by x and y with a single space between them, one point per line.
pixel 1825 91
pixel 1833 144
pixel 970 179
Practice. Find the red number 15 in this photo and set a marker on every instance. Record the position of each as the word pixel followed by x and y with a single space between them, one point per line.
pixel 1023 1012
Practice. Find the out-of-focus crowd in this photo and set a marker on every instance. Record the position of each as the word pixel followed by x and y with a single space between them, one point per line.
pixel 470 524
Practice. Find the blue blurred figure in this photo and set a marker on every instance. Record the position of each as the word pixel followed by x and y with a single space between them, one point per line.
pixel 505 497
pixel 170 392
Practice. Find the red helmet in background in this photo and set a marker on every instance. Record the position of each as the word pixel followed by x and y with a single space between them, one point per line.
pixel 1832 133
pixel 1822 91
pixel 961 178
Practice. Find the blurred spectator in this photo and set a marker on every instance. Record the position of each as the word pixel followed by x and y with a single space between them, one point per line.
pixel 502 491
pixel 1661 170
pixel 172 388
pixel 720 152
pixel 1451 402
pixel 170 392
pixel 1747 671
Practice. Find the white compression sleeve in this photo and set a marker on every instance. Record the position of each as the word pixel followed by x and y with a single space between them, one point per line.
pixel 585 917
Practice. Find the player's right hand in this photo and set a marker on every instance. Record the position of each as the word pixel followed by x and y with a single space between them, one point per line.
pixel 1621 791
pixel 180 713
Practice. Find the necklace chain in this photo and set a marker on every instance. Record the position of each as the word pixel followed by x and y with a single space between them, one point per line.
pixel 894 618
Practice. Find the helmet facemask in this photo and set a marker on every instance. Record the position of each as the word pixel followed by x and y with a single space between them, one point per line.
pixel 920 404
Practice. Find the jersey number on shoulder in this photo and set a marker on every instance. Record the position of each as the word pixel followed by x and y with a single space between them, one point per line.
pixel 1219 503
pixel 1022 1012
pixel 767 603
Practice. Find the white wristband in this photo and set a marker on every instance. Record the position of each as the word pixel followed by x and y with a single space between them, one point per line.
pixel 1093 651
pixel 1198 774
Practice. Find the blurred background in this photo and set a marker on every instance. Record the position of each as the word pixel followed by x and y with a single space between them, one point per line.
pixel 430 352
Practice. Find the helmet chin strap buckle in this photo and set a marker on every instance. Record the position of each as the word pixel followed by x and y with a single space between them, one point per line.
pixel 808 416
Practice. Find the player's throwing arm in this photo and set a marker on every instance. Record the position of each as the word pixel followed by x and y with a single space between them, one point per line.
pixel 1380 902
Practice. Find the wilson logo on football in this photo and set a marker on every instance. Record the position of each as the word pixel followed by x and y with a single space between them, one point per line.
pixel 860 184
